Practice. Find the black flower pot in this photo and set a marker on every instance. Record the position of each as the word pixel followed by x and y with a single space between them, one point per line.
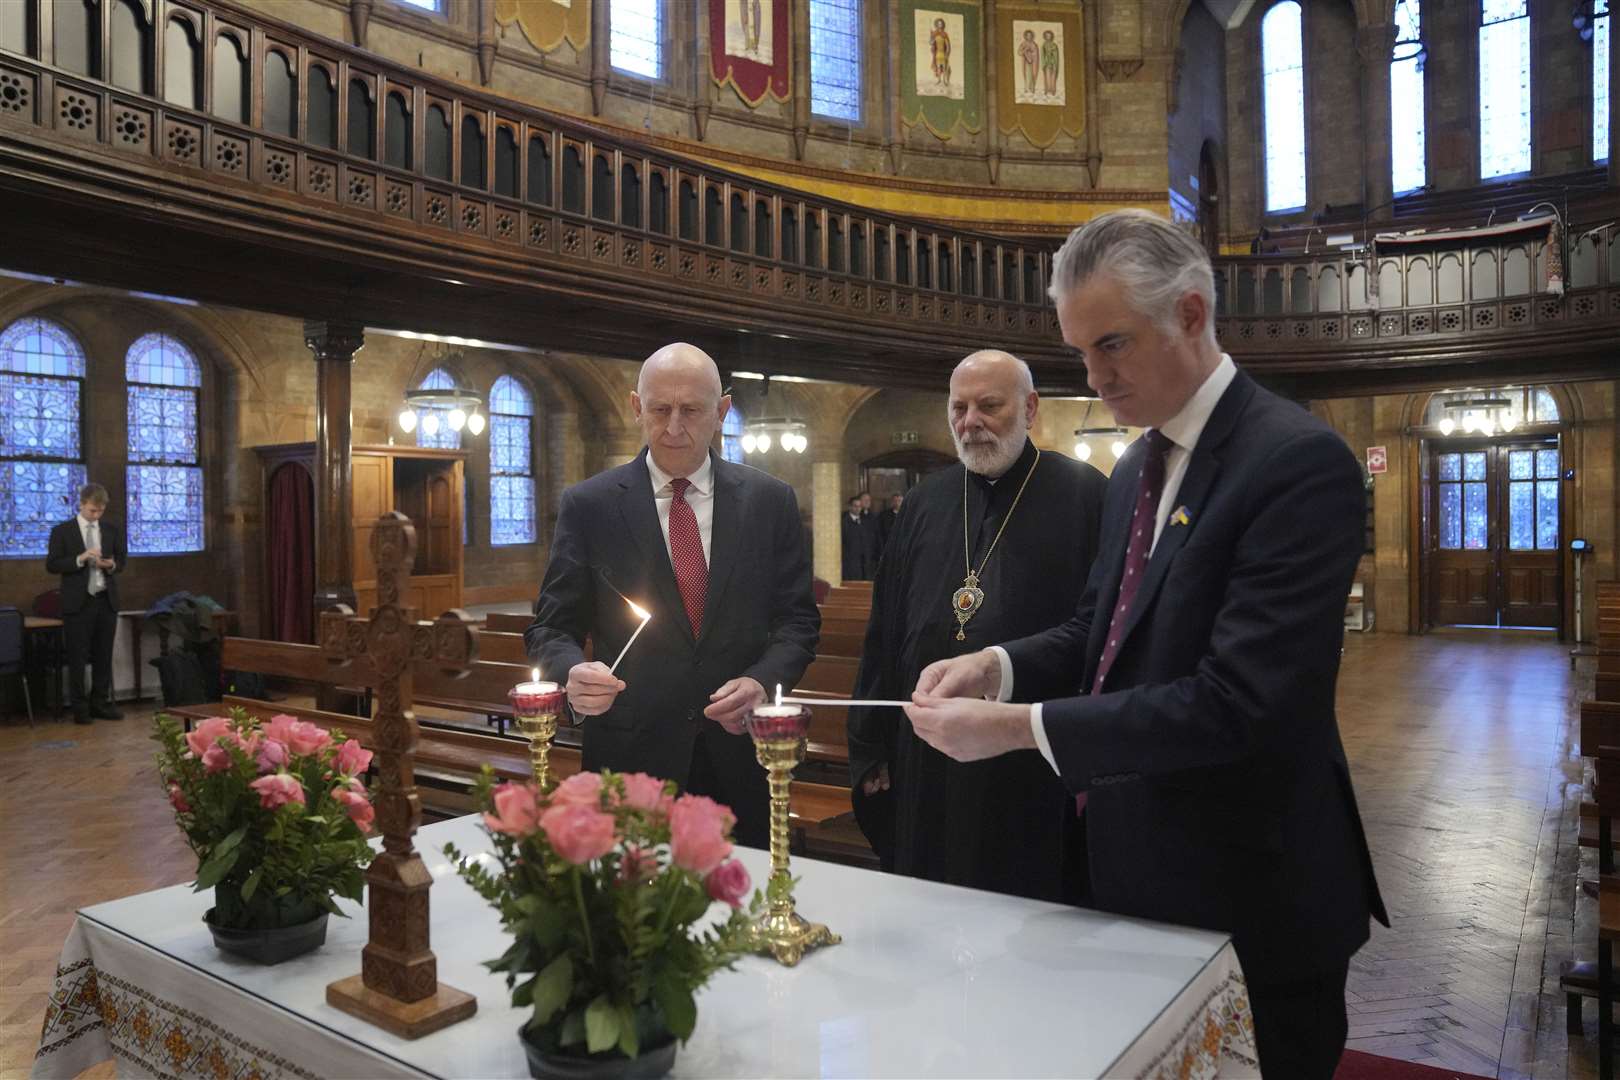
pixel 270 946
pixel 652 1063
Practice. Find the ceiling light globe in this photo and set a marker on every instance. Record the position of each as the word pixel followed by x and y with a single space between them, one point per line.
pixel 457 419
pixel 764 444
pixel 430 424
pixel 1082 450
pixel 1118 448
pixel 749 443
pixel 1447 426
pixel 407 421
pixel 475 423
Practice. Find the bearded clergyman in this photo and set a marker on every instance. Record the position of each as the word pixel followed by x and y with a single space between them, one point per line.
pixel 993 548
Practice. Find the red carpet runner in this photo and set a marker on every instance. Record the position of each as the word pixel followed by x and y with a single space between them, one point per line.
pixel 1358 1066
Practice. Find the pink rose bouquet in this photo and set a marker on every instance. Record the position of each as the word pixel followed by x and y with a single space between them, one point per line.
pixel 622 899
pixel 277 813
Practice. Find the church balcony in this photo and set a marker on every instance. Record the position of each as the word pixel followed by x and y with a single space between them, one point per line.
pixel 205 150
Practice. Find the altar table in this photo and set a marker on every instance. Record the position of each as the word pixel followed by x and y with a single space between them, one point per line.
pixel 931 980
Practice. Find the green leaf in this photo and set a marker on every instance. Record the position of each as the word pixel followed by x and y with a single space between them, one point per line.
pixel 214 870
pixel 230 842
pixel 573 1029
pixel 629 1040
pixel 523 994
pixel 680 1011
pixel 251 885
pixel 552 987
pixel 601 1025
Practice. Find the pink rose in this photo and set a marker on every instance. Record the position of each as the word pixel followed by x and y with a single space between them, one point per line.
pixel 280 728
pixel 352 758
pixel 645 793
pixel 206 734
pixel 728 883
pixel 216 758
pixel 581 789
pixel 177 799
pixel 356 805
pixel 578 833
pixel 638 864
pixel 697 833
pixel 278 789
pixel 516 811
pixel 306 738
pixel 272 755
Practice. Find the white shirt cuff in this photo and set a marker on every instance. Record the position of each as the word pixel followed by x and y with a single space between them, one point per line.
pixel 1005 694
pixel 1037 726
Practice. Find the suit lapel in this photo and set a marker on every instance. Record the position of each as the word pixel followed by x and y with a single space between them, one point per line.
pixel 723 538
pixel 641 519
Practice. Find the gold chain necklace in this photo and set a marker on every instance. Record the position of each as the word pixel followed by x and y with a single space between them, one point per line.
pixel 967 600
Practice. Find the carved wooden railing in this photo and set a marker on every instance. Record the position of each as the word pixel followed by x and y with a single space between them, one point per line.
pixel 202 91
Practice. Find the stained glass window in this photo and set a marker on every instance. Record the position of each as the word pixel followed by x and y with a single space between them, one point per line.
pixel 441 436
pixel 164 476
pixel 1406 99
pixel 1283 66
pixel 41 458
pixel 1600 81
pixel 731 433
pixel 635 36
pixel 835 59
pixel 511 463
pixel 426 5
pixel 1533 500
pixel 1504 88
pixel 1464 516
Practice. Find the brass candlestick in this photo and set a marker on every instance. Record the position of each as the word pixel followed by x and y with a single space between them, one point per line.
pixel 535 706
pixel 779 736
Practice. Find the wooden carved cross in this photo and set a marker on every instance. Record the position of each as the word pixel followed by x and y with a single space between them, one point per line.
pixel 398 987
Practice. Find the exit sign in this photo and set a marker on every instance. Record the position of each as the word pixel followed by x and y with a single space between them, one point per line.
pixel 904 438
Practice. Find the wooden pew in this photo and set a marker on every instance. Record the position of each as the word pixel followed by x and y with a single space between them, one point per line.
pixel 507 623
pixel 841 643
pixel 1599 740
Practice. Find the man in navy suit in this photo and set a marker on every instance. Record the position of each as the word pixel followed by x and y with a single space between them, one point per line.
pixel 1188 704
pixel 89 555
pixel 716 552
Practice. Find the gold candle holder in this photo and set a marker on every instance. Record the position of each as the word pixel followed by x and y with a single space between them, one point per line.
pixel 779 734
pixel 535 706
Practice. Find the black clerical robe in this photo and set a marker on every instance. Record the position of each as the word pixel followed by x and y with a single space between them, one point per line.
pixel 1004 824
pixel 852 534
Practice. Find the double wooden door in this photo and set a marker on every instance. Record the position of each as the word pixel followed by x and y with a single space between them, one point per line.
pixel 1494 533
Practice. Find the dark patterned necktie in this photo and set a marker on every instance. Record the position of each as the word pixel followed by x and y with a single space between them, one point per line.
pixel 686 552
pixel 1148 490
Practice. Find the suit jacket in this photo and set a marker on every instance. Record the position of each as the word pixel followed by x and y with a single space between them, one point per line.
pixel 61 555
pixel 1219 792
pixel 852 537
pixel 759 617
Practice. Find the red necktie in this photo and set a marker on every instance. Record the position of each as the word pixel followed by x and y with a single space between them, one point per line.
pixel 1143 520
pixel 686 552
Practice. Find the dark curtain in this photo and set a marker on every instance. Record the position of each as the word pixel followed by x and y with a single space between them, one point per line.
pixel 291 528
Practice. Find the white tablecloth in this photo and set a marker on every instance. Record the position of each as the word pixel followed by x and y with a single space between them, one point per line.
pixel 931 980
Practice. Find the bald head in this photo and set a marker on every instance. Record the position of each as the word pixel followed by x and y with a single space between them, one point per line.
pixel 992 405
pixel 679 404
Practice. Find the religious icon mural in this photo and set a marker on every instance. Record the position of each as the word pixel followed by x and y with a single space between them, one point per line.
pixel 1041 84
pixel 1038 54
pixel 546 23
pixel 939 73
pixel 940 79
pixel 748 30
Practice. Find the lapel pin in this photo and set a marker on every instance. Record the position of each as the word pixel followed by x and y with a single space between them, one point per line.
pixel 1180 517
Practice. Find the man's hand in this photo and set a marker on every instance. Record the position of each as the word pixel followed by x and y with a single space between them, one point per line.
pixel 974 675
pixel 729 705
pixel 592 688
pixel 89 555
pixel 876 779
pixel 968 729
pixel 106 564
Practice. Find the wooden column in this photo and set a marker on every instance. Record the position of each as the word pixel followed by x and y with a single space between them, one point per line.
pixel 334 345
pixel 601 59
pixel 992 97
pixel 1376 44
pixel 799 75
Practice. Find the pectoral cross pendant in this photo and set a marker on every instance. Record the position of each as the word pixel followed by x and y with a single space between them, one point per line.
pixel 966 602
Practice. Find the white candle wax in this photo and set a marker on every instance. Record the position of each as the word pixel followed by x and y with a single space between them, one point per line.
pixel 776 712
pixel 535 688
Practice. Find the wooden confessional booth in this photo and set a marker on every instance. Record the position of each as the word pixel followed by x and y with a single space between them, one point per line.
pixel 425 485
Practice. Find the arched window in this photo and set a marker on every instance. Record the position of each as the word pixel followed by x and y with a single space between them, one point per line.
pixel 1283 73
pixel 1600 81
pixel 511 463
pixel 835 59
pixel 731 433
pixel 41 456
pixel 1504 88
pixel 164 478
pixel 1407 158
pixel 433 425
pixel 635 36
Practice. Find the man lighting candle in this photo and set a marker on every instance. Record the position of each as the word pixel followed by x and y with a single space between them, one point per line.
pixel 715 552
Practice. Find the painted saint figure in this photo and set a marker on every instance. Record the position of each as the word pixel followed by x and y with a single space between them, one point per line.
pixel 1029 56
pixel 939 47
pixel 1049 64
pixel 751 23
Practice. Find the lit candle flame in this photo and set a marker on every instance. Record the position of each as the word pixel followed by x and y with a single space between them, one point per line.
pixel 534 674
pixel 778 693
pixel 641 613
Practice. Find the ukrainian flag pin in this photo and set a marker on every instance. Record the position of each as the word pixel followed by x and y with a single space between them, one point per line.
pixel 1180 517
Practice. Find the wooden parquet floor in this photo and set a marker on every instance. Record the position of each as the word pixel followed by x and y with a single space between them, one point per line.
pixel 1462 745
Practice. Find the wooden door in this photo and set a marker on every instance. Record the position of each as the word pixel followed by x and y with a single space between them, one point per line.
pixel 1464 588
pixel 372 497
pixel 1532 585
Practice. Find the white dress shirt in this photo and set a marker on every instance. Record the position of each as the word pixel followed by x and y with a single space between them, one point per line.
pixel 1183 431
pixel 91 531
pixel 700 497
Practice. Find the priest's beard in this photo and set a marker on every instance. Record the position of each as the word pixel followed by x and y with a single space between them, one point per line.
pixel 987 455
